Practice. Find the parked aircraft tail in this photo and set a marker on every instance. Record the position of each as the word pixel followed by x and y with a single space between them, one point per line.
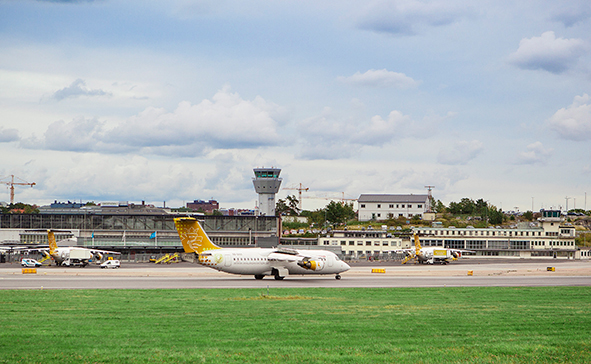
pixel 52 243
pixel 417 243
pixel 193 236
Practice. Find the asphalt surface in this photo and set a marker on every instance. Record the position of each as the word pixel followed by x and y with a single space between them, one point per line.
pixel 485 272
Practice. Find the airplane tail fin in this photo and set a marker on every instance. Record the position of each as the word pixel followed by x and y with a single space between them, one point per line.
pixel 417 243
pixel 193 236
pixel 52 243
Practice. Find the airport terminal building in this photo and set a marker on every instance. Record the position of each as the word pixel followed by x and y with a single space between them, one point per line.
pixel 132 229
pixel 551 237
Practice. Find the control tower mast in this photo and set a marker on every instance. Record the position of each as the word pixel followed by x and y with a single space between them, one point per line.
pixel 266 183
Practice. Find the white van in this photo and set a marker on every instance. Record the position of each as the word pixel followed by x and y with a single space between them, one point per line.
pixel 111 264
pixel 30 263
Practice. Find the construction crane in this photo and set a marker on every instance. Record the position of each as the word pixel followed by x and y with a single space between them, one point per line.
pixel 300 188
pixel 327 197
pixel 12 183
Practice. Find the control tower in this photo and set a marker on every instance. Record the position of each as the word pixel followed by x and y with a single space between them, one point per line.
pixel 266 183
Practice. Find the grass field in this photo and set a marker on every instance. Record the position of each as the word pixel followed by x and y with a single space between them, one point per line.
pixel 389 325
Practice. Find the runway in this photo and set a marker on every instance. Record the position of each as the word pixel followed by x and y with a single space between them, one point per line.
pixel 185 275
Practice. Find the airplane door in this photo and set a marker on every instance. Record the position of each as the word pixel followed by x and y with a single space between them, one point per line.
pixel 330 260
pixel 227 260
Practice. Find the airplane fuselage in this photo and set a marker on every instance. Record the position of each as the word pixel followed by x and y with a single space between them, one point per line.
pixel 261 261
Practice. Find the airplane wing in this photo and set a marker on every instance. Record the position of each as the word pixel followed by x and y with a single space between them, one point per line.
pixel 95 251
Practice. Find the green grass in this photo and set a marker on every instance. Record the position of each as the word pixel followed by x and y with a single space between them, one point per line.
pixel 390 325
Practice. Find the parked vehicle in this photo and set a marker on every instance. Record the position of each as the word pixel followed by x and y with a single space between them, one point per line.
pixel 30 263
pixel 111 264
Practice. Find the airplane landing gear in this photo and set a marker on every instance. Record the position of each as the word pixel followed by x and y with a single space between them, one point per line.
pixel 338 276
pixel 258 276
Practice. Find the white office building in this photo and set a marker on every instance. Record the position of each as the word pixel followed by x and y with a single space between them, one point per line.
pixel 383 207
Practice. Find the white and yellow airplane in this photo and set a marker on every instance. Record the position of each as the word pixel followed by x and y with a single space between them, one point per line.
pixel 432 254
pixel 259 262
pixel 71 255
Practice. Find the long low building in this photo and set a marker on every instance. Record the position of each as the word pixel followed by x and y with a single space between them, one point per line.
pixel 360 244
pixel 550 237
pixel 133 233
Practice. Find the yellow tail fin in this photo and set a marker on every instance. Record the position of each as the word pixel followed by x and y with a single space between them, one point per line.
pixel 193 236
pixel 417 243
pixel 52 243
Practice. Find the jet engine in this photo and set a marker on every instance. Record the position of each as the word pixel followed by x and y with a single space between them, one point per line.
pixel 306 263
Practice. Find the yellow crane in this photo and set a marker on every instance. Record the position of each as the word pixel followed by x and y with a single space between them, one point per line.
pixel 12 183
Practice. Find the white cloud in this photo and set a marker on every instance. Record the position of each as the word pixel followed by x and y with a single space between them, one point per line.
pixel 227 121
pixel 404 17
pixel 574 122
pixel 380 78
pixel 330 136
pixel 8 135
pixel 571 14
pixel 548 53
pixel 460 153
pixel 535 154
pixel 76 89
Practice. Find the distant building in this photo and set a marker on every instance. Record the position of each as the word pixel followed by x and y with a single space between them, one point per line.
pixel 205 206
pixel 362 244
pixel 237 212
pixel 550 238
pixel 66 205
pixel 383 207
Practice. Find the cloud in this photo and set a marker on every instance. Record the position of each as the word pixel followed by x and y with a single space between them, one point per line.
pixel 548 53
pixel 404 17
pixel 227 121
pixel 572 14
pixel 379 78
pixel 574 122
pixel 460 153
pixel 8 135
pixel 331 136
pixel 76 89
pixel 535 154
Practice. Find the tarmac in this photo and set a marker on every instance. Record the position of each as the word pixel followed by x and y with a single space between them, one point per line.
pixel 466 272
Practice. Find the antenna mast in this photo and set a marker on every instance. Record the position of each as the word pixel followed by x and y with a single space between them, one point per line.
pixel 429 189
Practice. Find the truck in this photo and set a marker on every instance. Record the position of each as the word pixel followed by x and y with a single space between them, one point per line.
pixel 78 257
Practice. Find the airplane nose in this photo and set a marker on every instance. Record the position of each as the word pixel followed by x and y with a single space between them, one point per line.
pixel 345 266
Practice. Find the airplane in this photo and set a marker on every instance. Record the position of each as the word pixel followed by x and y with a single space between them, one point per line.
pixel 431 255
pixel 260 262
pixel 70 255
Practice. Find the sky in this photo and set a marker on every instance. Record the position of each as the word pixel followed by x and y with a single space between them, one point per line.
pixel 179 100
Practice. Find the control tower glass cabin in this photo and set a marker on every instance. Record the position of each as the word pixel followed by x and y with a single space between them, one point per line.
pixel 266 183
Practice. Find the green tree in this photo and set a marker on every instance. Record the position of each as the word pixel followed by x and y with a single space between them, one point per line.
pixel 338 213
pixel 528 215
pixel 495 216
pixel 439 207
pixel 293 204
pixel 454 208
pixel 289 206
pixel 467 206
